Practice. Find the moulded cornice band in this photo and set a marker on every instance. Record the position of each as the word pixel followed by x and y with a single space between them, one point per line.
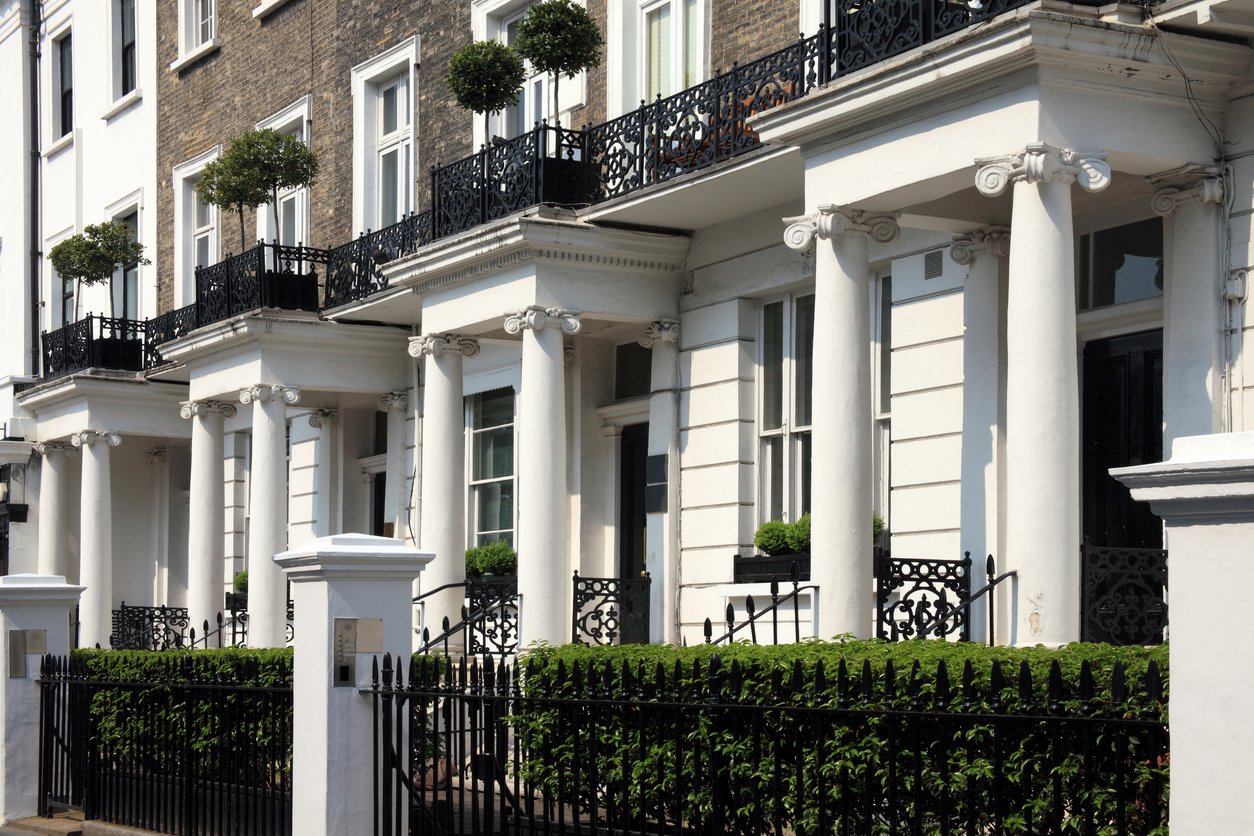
pixel 1042 163
pixel 832 222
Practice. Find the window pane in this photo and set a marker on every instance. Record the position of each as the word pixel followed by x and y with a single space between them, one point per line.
pixel 692 48
pixel 493 452
pixel 287 221
pixel 773 476
pixel 803 473
pixel 633 371
pixel 202 250
pixel 202 213
pixel 127 12
pixel 1128 263
pixel 388 169
pixel 492 409
pixel 389 110
pixel 658 53
pixel 65 54
pixel 803 351
pixel 886 344
pixel 129 303
pixel 495 506
pixel 773 366
pixel 402 103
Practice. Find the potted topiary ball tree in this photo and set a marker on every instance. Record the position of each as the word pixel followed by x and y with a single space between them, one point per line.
pixel 485 77
pixel 255 167
pixel 92 257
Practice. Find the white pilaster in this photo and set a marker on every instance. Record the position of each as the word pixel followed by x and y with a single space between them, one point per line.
pixel 206 525
pixel 662 527
pixel 326 507
pixel 443 471
pixel 267 512
pixel 346 576
pixel 395 404
pixel 1042 394
pixel 982 252
pixel 95 535
pixel 1193 307
pixel 54 523
pixel 158 461
pixel 841 479
pixel 543 577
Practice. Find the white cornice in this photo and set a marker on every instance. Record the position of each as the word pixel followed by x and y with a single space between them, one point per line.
pixel 1046 42
pixel 128 391
pixel 316 334
pixel 495 247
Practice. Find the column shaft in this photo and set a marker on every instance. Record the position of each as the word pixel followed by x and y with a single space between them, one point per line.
pixel 443 487
pixel 206 526
pixel 54 523
pixel 543 579
pixel 662 529
pixel 1043 417
pixel 96 547
pixel 841 487
pixel 397 494
pixel 267 511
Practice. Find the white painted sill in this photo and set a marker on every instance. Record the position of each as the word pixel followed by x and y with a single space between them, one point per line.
pixel 123 103
pixel 196 54
pixel 268 6
pixel 61 144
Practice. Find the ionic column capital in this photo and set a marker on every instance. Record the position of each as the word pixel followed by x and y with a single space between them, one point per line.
pixel 660 331
pixel 437 344
pixel 393 400
pixel 264 392
pixel 1206 190
pixel 536 317
pixel 50 448
pixel 993 240
pixel 833 222
pixel 87 437
pixel 156 455
pixel 323 416
pixel 201 409
pixel 1041 163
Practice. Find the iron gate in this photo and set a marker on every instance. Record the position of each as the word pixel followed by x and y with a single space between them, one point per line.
pixel 1123 595
pixel 924 590
pixel 609 611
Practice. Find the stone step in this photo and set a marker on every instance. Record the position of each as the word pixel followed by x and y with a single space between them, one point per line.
pixel 65 824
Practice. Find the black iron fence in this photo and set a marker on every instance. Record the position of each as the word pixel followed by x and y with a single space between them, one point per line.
pixel 489 619
pixel 188 757
pixel 481 750
pixel 914 591
pixel 353 268
pixel 611 611
pixel 149 628
pixel 101 342
pixel 1123 595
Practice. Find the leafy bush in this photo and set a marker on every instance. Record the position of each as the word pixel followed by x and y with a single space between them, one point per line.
pixel 877 528
pixel 497 558
pixel 240 583
pixel 95 254
pixel 871 746
pixel 485 77
pixel 560 38
pixel 772 537
pixel 798 536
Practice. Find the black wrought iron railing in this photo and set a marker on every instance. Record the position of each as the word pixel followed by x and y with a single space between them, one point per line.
pixel 149 628
pixel 353 269
pixel 914 591
pixel 101 342
pixel 1123 596
pixel 611 611
pixel 489 619
pixel 775 609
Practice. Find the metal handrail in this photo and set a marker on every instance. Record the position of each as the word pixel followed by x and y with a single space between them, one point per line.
pixel 923 628
pixel 776 601
pixel 467 619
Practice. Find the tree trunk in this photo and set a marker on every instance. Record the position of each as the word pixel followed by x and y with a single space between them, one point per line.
pixel 274 205
pixel 556 110
pixel 242 245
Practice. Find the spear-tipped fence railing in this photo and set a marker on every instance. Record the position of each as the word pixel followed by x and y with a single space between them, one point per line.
pixel 714 749
pixel 754 615
pixel 488 625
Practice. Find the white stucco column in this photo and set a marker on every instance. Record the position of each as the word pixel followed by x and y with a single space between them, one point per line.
pixel 841 482
pixel 544 581
pixel 981 252
pixel 38 606
pixel 396 405
pixel 443 471
pixel 326 508
pixel 54 521
pixel 95 536
pixel 661 547
pixel 366 581
pixel 1193 306
pixel 1042 388
pixel 267 513
pixel 206 524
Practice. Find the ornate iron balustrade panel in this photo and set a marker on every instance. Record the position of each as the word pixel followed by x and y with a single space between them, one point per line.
pixel 149 628
pixel 353 269
pixel 866 33
pixel 495 631
pixel 615 155
pixel 165 328
pixel 230 287
pixel 611 611
pixel 67 349
pixel 457 194
pixel 509 169
pixel 925 590
pixel 1123 595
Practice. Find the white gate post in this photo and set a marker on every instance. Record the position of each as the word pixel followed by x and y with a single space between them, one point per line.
pixel 35 610
pixel 352 599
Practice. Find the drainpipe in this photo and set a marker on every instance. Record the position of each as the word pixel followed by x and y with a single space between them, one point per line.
pixel 32 10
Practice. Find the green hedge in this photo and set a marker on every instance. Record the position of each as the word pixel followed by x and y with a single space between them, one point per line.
pixel 636 760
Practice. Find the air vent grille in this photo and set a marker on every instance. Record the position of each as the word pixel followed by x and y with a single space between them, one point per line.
pixel 933 264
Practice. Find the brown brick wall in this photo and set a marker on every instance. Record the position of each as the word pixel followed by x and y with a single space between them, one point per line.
pixel 745 30
pixel 594 110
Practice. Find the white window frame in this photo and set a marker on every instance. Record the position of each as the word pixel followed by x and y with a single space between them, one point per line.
pixel 472 505
pixel 296 118
pixel 791 433
pixel 53 317
pixel 881 348
pixel 133 203
pixel 535 106
pixel 625 45
pixel 58 44
pixel 184 179
pixel 368 81
pixel 192 40
pixel 116 63
pixel 398 142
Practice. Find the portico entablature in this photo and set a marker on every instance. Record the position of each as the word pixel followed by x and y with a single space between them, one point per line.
pixel 312 354
pixel 127 406
pixel 904 131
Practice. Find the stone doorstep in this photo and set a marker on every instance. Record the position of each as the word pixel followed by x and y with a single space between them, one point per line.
pixel 66 826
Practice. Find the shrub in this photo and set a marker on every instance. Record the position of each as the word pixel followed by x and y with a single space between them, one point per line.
pixel 798 536
pixel 485 77
pixel 497 558
pixel 772 537
pixel 560 38
pixel 95 254
pixel 240 583
pixel 877 528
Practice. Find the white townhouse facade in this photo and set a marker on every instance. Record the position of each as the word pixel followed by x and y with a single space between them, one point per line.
pixel 983 255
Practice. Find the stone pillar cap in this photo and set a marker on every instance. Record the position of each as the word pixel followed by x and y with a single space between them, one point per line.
pixel 353 557
pixel 29 588
pixel 15 452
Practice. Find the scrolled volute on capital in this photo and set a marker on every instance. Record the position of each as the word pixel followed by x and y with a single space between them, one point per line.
pixel 437 344
pixel 660 331
pixel 88 437
pixel 1042 163
pixel 832 222
pixel 994 240
pixel 264 392
pixel 51 448
pixel 536 317
pixel 201 409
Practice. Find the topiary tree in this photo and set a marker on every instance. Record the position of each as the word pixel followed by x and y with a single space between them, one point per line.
pixel 772 537
pixel 95 254
pixel 559 37
pixel 255 167
pixel 485 77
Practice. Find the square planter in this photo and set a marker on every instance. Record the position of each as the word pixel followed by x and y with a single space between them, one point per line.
pixel 117 353
pixel 561 181
pixel 290 291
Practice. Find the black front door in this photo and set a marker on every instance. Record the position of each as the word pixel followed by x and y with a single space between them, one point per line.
pixel 1123 425
pixel 631 515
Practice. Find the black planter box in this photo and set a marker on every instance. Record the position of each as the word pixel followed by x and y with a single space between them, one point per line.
pixel 117 353
pixel 762 568
pixel 290 291
pixel 561 181
pixel 237 601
